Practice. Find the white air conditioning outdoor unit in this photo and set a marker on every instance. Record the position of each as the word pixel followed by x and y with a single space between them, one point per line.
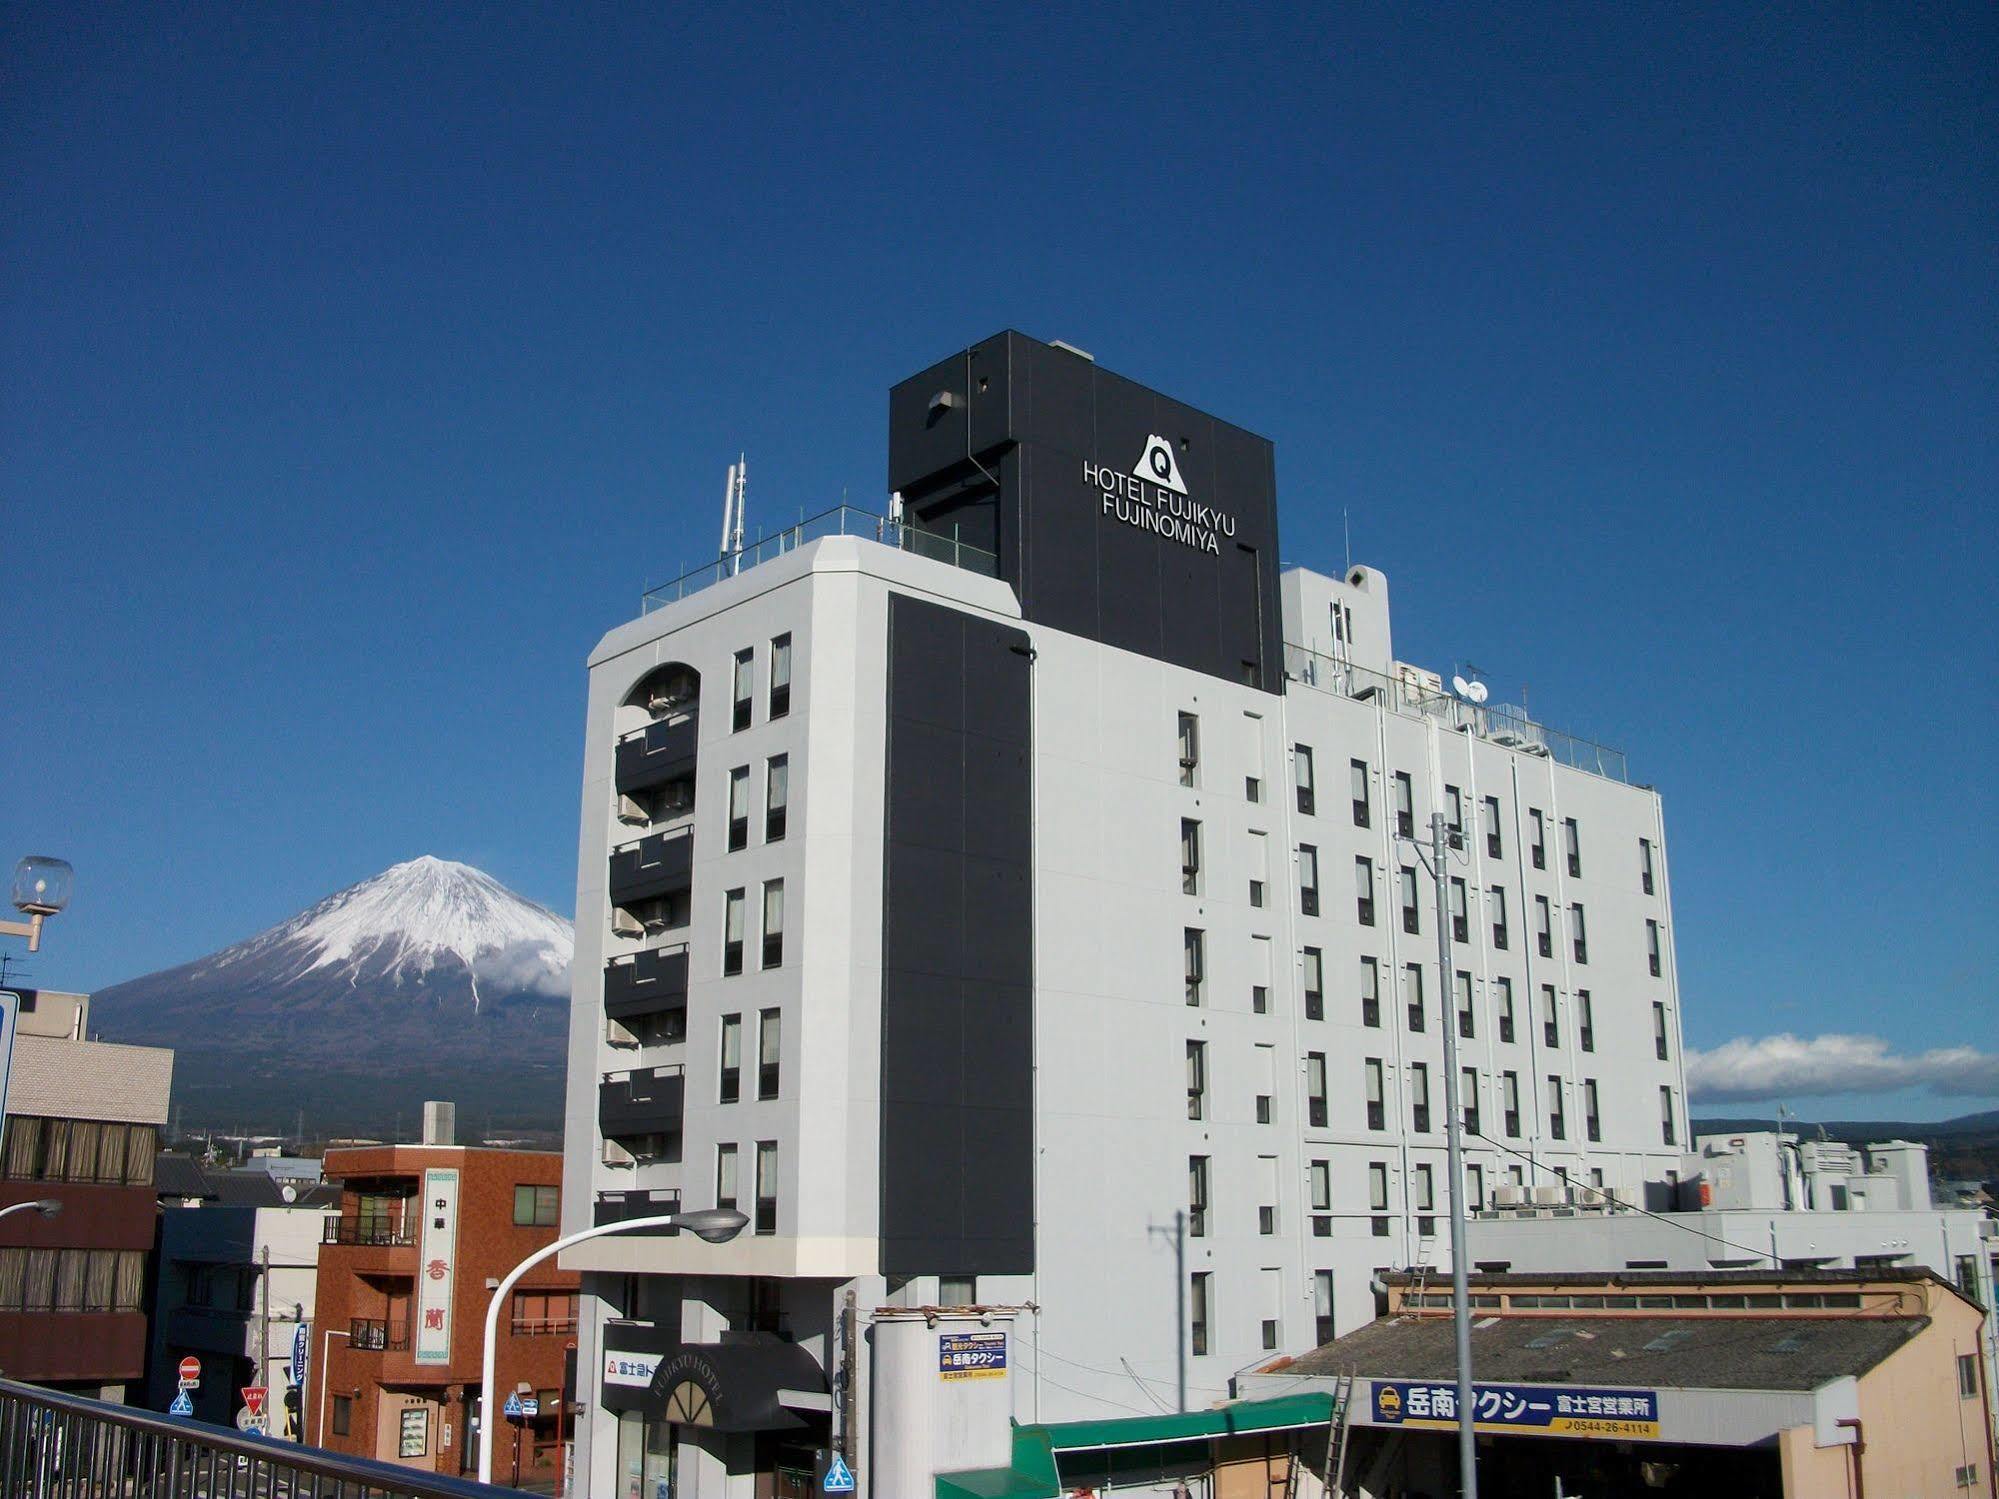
pixel 616 1154
pixel 623 924
pixel 1551 1197
pixel 1508 1196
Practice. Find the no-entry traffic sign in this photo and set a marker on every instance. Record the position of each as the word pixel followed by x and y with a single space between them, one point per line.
pixel 190 1372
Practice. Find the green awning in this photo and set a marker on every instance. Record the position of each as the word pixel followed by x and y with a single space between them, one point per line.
pixel 1032 1474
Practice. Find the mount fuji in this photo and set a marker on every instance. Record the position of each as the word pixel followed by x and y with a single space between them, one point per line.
pixel 431 980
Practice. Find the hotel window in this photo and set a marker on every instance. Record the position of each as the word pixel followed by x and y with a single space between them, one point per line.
pixel 769 1052
pixel 1315 1089
pixel 1544 927
pixel 1266 1206
pixel 766 1187
pixel 1652 946
pixel 1190 747
pixel 1503 1002
pixel 1252 783
pixel 1197 1079
pixel 1426 1203
pixel 1362 811
pixel 1322 1306
pixel 1645 864
pixel 1578 934
pixel 1551 1017
pixel 1377 1196
pixel 777 796
pixel 1301 770
pixel 1370 992
pixel 1190 856
pixel 1666 1134
pixel 1454 815
pixel 1572 842
pixel 1266 1081
pixel 1199 1310
pixel 780 676
pixel 1193 947
pixel 1363 875
pixel 1315 984
pixel 1558 1123
pixel 1259 988
pixel 746 672
pixel 1259 868
pixel 1499 936
pixel 1419 1097
pixel 536 1207
pixel 1460 915
pixel 739 808
pixel 773 923
pixel 732 933
pixel 1474 1189
pixel 1468 1104
pixel 1308 879
pixel 1197 1196
pixel 1539 847
pixel 1585 1022
pixel 725 1176
pixel 1320 1176
pixel 1592 1121
pixel 1377 1105
pixel 1493 846
pixel 1412 994
pixel 1659 1029
pixel 1412 920
pixel 1509 1097
pixel 1467 1023
pixel 731 1086
pixel 1405 805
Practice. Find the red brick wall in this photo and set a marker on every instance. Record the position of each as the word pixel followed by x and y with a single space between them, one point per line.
pixel 77 1347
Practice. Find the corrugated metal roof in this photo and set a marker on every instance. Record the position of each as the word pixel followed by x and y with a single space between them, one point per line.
pixel 68 1079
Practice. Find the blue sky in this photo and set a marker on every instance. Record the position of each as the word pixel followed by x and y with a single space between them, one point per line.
pixel 362 365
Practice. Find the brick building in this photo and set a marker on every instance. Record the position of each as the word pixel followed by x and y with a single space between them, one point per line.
pixel 82 1128
pixel 404 1271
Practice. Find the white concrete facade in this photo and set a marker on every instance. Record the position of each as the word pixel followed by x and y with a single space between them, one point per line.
pixel 1114 1011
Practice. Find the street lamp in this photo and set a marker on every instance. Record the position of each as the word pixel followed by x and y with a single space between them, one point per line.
pixel 716 1225
pixel 48 1207
pixel 41 889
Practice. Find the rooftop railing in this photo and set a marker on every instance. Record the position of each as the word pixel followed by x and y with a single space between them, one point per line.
pixel 841 520
pixel 1505 724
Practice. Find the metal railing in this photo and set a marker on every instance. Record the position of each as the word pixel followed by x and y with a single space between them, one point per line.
pixel 338 1230
pixel 376 1335
pixel 1505 724
pixel 841 520
pixel 60 1446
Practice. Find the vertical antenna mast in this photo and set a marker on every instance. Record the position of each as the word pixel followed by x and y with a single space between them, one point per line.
pixel 728 510
pixel 742 472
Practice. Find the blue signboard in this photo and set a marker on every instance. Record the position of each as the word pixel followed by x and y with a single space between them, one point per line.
pixel 839 1477
pixel 971 1355
pixel 301 1350
pixel 182 1406
pixel 1520 1407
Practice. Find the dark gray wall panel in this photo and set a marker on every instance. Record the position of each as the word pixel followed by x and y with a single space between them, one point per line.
pixel 957 1125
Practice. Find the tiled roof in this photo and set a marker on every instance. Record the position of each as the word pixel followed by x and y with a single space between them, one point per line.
pixel 67 1079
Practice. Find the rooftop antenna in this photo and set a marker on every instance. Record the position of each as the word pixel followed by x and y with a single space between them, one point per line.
pixel 732 513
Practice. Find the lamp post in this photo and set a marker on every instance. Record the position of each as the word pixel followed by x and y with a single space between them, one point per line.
pixel 41 890
pixel 716 1225
pixel 48 1207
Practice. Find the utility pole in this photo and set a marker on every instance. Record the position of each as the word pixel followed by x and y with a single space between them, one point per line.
pixel 1440 854
pixel 264 1321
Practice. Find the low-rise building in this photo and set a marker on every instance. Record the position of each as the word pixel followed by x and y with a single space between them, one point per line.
pixel 1759 1385
pixel 238 1271
pixel 82 1127
pixel 405 1270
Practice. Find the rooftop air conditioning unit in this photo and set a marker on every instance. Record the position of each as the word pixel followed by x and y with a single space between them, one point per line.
pixel 1508 1196
pixel 1551 1197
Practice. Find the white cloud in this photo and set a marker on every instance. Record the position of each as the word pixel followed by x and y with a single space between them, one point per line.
pixel 1772 1067
pixel 524 968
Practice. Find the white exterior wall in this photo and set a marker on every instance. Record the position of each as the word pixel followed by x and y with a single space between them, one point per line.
pixel 1113 1137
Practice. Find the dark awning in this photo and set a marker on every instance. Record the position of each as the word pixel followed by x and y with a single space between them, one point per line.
pixel 728 1386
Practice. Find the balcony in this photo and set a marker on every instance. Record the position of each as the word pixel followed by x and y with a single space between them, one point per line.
pixel 652 868
pixel 641 1101
pixel 646 983
pixel 374 1335
pixel 339 1230
pixel 622 1207
pixel 660 752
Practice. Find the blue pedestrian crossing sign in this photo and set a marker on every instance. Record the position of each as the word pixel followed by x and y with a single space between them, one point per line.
pixel 182 1406
pixel 839 1477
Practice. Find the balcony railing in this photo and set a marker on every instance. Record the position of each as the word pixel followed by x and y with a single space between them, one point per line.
pixel 622 1207
pixel 54 1443
pixel 641 1101
pixel 376 1336
pixel 1504 724
pixel 646 982
pixel 649 868
pixel 841 520
pixel 662 751
pixel 338 1230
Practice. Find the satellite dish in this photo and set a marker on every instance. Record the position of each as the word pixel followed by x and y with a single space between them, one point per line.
pixel 1471 692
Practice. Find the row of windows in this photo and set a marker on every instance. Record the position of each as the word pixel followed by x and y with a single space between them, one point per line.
pixel 769 1049
pixel 763 1218
pixel 734 904
pixel 40 1148
pixel 1201 1310
pixel 777 801
pixel 71 1280
pixel 537 1314
pixel 744 681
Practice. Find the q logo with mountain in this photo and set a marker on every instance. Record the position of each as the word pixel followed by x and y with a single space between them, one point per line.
pixel 1157 464
pixel 1153 497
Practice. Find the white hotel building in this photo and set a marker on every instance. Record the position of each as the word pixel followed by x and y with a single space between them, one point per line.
pixel 1016 906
